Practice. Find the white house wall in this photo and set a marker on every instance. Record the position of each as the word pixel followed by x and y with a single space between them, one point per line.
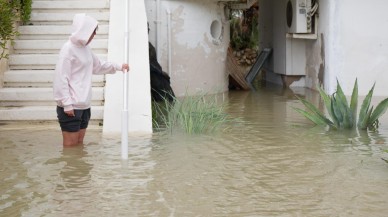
pixel 320 52
pixel 198 60
pixel 363 40
pixel 139 96
pixel 352 43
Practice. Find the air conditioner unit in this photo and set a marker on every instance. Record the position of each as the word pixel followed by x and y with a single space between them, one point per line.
pixel 298 16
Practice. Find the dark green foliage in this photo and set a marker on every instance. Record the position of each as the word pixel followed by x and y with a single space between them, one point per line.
pixel 12 11
pixel 244 31
pixel 25 10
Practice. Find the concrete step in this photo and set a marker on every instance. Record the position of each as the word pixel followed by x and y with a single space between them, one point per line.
pixel 75 4
pixel 55 18
pixel 37 61
pixel 40 113
pixel 39 103
pixel 53 46
pixel 38 78
pixel 57 32
pixel 62 12
pixel 38 96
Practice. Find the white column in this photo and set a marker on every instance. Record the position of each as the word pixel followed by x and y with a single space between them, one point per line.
pixel 139 97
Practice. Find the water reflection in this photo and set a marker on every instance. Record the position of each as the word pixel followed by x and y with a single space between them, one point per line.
pixel 73 184
pixel 75 175
pixel 13 186
pixel 271 162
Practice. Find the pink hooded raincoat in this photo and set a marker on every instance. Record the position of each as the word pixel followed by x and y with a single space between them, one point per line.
pixel 76 65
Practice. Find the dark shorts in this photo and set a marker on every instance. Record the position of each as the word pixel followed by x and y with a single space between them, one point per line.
pixel 73 124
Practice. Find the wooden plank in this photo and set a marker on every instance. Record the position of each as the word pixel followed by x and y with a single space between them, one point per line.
pixel 237 72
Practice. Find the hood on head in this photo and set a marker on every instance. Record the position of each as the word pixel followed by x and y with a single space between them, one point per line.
pixel 83 28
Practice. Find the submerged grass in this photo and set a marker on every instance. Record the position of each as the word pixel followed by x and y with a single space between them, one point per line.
pixel 193 114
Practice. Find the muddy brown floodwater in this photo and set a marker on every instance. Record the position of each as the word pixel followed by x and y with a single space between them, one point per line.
pixel 271 162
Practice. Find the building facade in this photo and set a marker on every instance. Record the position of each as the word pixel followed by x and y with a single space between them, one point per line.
pixel 350 43
pixel 191 39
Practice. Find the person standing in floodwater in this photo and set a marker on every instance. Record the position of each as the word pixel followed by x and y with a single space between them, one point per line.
pixel 73 79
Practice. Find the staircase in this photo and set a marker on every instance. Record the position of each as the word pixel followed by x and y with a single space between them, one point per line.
pixel 27 94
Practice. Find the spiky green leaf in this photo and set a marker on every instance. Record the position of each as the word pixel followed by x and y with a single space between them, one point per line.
pixel 341 96
pixel 325 97
pixel 342 104
pixel 315 111
pixel 337 112
pixel 354 103
pixel 327 101
pixel 381 108
pixel 364 110
pixel 312 117
pixel 364 124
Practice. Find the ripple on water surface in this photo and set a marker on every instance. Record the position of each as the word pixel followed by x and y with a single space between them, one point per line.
pixel 270 162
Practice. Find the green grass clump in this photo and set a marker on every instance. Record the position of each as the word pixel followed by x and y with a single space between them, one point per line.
pixel 343 115
pixel 193 114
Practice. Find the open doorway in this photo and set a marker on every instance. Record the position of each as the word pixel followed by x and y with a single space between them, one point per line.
pixel 244 45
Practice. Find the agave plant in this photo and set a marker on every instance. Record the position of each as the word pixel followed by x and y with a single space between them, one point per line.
pixel 341 114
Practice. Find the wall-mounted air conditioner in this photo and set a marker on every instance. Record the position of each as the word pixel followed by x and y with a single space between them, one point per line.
pixel 298 15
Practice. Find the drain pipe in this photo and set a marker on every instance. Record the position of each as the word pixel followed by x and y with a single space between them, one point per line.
pixel 169 41
pixel 125 113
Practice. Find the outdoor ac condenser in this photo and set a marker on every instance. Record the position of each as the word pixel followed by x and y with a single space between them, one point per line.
pixel 298 18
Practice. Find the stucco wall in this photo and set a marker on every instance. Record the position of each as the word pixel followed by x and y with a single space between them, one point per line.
pixel 3 68
pixel 326 51
pixel 352 43
pixel 198 60
pixel 363 42
pixel 139 94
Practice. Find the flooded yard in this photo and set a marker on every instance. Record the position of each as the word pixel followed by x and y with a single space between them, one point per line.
pixel 271 162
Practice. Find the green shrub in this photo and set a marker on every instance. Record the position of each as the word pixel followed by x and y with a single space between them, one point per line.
pixel 25 10
pixel 12 11
pixel 341 114
pixel 244 31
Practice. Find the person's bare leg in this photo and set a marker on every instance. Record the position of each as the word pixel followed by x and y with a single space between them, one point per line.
pixel 70 138
pixel 81 136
